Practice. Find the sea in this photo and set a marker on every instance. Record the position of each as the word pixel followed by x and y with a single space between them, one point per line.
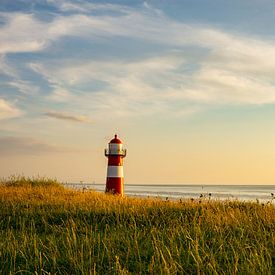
pixel 257 193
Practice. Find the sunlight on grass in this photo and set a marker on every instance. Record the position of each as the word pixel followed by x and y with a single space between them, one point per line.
pixel 46 228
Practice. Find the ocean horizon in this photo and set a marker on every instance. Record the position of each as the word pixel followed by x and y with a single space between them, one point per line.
pixel 243 192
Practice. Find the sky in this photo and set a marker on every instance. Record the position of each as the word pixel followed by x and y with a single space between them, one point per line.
pixel 188 85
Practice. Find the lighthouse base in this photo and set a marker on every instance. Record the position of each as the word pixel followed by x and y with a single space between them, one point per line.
pixel 115 186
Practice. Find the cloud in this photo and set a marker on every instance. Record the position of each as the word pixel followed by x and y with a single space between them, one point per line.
pixel 26 33
pixel 201 66
pixel 32 34
pixel 26 146
pixel 231 68
pixel 66 116
pixel 157 85
pixel 131 90
pixel 6 69
pixel 13 78
pixel 21 33
pixel 87 7
pixel 60 94
pixel 8 110
pixel 24 87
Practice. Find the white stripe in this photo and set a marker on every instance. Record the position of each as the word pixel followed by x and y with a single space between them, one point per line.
pixel 115 172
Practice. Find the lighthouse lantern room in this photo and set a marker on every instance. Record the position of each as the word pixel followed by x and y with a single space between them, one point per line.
pixel 115 178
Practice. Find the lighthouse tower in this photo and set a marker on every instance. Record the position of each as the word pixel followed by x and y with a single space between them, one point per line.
pixel 115 179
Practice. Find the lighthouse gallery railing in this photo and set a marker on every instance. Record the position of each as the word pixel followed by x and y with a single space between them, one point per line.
pixel 121 152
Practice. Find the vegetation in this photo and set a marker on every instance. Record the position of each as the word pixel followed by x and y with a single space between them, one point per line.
pixel 22 181
pixel 45 229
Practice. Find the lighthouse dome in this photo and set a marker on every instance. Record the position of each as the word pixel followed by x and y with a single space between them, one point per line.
pixel 116 140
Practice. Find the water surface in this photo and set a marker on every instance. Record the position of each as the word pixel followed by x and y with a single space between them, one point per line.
pixel 178 191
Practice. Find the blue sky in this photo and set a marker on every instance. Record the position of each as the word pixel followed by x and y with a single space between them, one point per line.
pixel 188 85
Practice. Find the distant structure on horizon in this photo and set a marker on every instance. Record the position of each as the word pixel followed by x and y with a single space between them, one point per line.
pixel 115 178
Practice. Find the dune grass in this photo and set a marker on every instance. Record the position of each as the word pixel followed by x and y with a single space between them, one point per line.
pixel 22 181
pixel 47 229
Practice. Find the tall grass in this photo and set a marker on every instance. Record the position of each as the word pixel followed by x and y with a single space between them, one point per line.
pixel 48 229
pixel 22 181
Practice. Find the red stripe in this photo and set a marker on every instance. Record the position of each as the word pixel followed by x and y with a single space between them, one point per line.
pixel 115 161
pixel 115 186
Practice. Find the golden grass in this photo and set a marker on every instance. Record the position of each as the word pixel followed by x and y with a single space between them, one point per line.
pixel 50 229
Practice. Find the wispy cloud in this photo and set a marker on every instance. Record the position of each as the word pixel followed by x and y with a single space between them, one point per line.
pixel 20 33
pixel 6 69
pixel 25 87
pixel 29 34
pixel 87 7
pixel 8 110
pixel 163 84
pixel 135 89
pixel 11 145
pixel 14 78
pixel 231 68
pixel 66 116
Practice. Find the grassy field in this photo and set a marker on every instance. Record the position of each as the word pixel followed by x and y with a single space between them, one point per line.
pixel 47 229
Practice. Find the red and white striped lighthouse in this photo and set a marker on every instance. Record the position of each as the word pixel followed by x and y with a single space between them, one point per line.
pixel 115 179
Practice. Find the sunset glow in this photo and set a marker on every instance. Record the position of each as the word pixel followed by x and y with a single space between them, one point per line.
pixel 188 86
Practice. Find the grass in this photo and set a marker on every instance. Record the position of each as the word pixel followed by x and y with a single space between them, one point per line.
pixel 22 181
pixel 47 229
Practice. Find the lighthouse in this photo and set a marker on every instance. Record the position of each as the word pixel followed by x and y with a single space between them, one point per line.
pixel 115 179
